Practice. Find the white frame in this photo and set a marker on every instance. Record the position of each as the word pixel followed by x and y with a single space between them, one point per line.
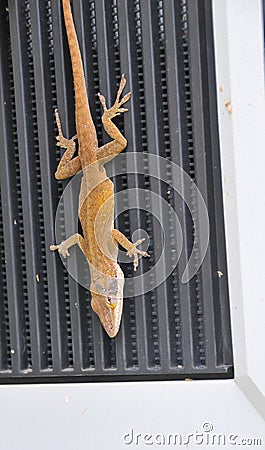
pixel 239 42
pixel 96 416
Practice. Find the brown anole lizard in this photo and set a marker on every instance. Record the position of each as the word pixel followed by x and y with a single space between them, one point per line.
pixel 100 240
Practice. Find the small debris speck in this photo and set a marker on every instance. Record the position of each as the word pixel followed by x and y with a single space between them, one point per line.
pixel 229 106
pixel 37 277
pixel 219 273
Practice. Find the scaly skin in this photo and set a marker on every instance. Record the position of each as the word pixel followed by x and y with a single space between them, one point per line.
pixel 99 242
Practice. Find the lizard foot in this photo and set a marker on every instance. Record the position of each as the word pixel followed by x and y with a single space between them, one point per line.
pixel 116 109
pixel 134 252
pixel 62 249
pixel 62 141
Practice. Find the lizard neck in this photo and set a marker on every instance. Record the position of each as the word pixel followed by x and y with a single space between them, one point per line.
pixel 84 122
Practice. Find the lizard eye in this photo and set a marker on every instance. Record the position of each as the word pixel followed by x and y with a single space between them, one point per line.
pixel 111 305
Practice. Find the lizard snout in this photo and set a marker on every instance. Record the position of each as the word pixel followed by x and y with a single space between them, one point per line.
pixel 109 311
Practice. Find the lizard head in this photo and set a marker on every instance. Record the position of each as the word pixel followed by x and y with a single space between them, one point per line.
pixel 107 300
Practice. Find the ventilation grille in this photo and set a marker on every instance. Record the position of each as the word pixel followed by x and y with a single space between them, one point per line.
pixel 47 328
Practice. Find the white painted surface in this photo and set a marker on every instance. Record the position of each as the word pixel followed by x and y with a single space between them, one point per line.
pixel 98 416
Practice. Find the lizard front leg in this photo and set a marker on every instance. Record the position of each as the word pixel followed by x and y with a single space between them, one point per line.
pixel 132 250
pixel 65 245
pixel 108 151
pixel 67 167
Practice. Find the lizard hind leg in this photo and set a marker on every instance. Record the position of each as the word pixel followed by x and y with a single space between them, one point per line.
pixel 67 167
pixel 62 141
pixel 108 151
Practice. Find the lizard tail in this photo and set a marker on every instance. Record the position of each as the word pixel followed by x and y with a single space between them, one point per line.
pixel 83 114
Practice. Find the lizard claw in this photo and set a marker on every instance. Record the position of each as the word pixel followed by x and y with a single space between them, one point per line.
pixel 102 101
pixel 124 99
pixel 122 84
pixel 122 110
pixel 62 249
pixel 64 142
pixel 134 252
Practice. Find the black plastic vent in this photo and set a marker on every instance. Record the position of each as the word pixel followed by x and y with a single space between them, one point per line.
pixel 173 330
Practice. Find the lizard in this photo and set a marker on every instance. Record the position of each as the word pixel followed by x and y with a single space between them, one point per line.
pixel 100 239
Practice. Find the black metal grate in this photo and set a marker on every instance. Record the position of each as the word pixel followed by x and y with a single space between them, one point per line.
pixel 47 329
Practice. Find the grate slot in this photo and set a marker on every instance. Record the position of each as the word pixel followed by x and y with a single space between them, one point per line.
pixel 5 345
pixel 13 224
